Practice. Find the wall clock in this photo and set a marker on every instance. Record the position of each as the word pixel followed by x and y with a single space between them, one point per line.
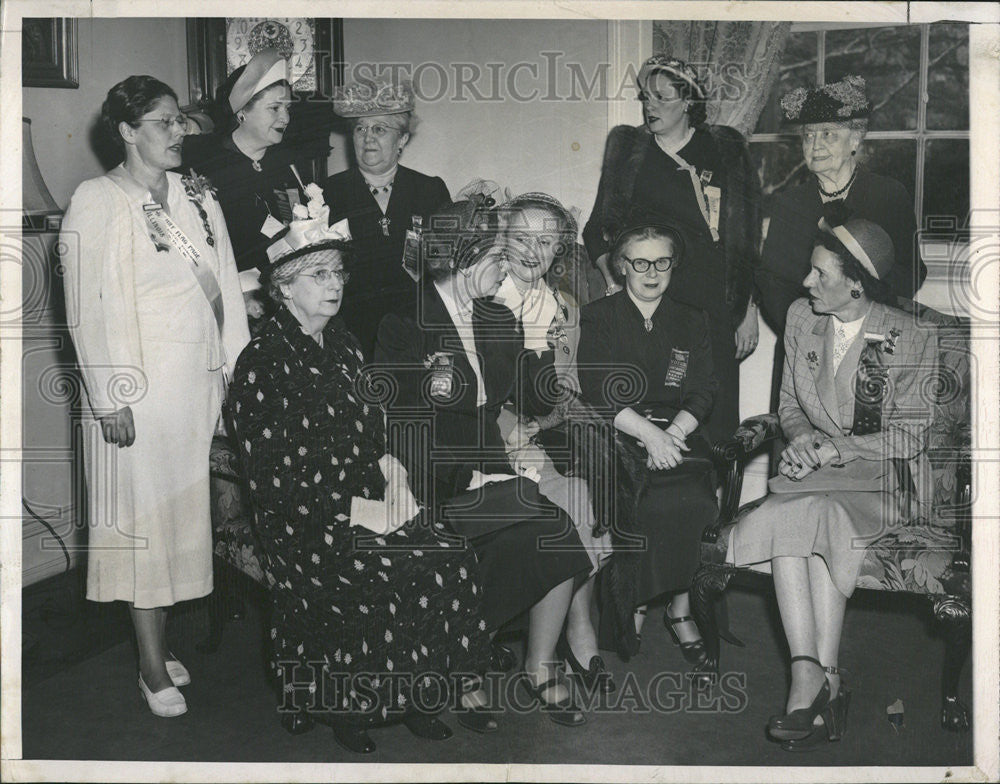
pixel 294 38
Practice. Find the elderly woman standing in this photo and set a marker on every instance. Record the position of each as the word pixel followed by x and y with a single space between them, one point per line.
pixel 359 581
pixel 698 178
pixel 382 200
pixel 156 306
pixel 256 177
pixel 833 120
pixel 855 417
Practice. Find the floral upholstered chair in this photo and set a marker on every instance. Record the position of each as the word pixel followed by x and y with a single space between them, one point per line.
pixel 926 551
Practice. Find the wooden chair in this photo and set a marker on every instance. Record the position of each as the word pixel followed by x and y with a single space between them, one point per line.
pixel 927 554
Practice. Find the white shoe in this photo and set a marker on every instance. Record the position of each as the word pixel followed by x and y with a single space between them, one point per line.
pixel 178 673
pixel 166 703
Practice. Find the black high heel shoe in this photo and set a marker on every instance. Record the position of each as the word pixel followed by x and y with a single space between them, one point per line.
pixel 694 652
pixel 296 723
pixel 596 676
pixel 563 712
pixel 502 657
pixel 798 724
pixel 834 722
pixel 352 737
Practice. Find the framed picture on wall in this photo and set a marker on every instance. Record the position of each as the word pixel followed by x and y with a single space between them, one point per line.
pixel 314 48
pixel 48 53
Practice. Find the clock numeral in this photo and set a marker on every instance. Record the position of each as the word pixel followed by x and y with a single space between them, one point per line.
pixel 298 27
pixel 237 41
pixel 298 62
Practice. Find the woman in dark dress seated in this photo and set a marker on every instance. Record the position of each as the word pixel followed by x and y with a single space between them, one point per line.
pixel 371 610
pixel 452 371
pixel 645 363
pixel 256 177
pixel 382 200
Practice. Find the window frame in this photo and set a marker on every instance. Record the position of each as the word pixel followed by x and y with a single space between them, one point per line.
pixel 921 135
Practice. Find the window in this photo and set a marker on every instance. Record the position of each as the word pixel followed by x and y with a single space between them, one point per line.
pixel 922 143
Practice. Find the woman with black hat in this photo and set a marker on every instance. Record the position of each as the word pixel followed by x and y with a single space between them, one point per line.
pixel 382 200
pixel 833 120
pixel 257 179
pixel 372 609
pixel 855 414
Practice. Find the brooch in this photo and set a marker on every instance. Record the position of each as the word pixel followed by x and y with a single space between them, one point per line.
pixel 812 359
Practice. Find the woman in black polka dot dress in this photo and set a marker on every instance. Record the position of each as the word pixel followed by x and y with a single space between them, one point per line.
pixel 366 626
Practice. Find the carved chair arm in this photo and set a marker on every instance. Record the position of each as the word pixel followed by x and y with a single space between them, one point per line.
pixel 731 455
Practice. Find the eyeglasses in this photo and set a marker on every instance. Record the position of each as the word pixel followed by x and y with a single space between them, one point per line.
pixel 661 264
pixel 167 122
pixel 378 130
pixel 324 276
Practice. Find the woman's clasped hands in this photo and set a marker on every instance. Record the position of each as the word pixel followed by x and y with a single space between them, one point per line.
pixel 805 453
pixel 664 448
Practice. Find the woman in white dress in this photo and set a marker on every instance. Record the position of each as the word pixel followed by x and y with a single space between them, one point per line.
pixel 157 320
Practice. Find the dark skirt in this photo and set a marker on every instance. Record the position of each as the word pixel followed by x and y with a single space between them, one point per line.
pixel 533 547
pixel 661 552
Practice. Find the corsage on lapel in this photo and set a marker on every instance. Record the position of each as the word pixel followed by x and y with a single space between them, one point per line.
pixel 199 188
pixel 883 344
pixel 813 360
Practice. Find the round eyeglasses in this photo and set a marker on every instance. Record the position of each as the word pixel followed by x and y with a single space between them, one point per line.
pixel 324 276
pixel 661 264
pixel 378 130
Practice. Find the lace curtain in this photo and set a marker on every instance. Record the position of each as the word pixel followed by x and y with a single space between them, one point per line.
pixel 737 62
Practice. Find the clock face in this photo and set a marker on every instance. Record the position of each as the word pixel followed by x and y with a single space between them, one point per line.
pixel 292 37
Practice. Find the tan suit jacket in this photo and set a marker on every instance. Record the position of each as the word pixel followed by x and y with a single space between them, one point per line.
pixel 814 397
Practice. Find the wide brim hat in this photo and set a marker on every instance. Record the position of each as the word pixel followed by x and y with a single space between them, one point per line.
pixel 867 242
pixel 305 237
pixel 837 102
pixel 265 68
pixel 373 96
pixel 674 67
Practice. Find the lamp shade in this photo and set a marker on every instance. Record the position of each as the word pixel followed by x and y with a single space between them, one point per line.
pixel 36 201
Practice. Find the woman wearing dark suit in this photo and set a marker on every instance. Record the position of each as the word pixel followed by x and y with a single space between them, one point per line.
pixel 381 201
pixel 454 369
pixel 250 167
pixel 700 179
pixel 833 119
pixel 855 417
pixel 645 364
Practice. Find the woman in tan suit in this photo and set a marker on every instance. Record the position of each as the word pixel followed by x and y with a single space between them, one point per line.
pixel 854 416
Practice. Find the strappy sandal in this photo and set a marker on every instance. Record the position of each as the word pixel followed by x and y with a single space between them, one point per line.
pixel 694 652
pixel 564 712
pixel 834 721
pixel 798 724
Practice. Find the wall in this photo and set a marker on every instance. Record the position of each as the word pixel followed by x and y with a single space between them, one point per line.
pixel 109 51
pixel 554 146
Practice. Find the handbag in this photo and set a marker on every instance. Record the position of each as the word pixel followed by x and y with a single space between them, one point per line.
pixel 494 507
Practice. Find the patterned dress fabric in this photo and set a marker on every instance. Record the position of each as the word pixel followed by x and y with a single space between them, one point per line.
pixel 391 607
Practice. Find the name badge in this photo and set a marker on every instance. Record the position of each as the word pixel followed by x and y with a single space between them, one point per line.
pixel 678 368
pixel 443 376
pixel 713 199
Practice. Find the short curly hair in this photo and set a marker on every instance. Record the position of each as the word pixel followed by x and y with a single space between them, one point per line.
pixel 129 100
